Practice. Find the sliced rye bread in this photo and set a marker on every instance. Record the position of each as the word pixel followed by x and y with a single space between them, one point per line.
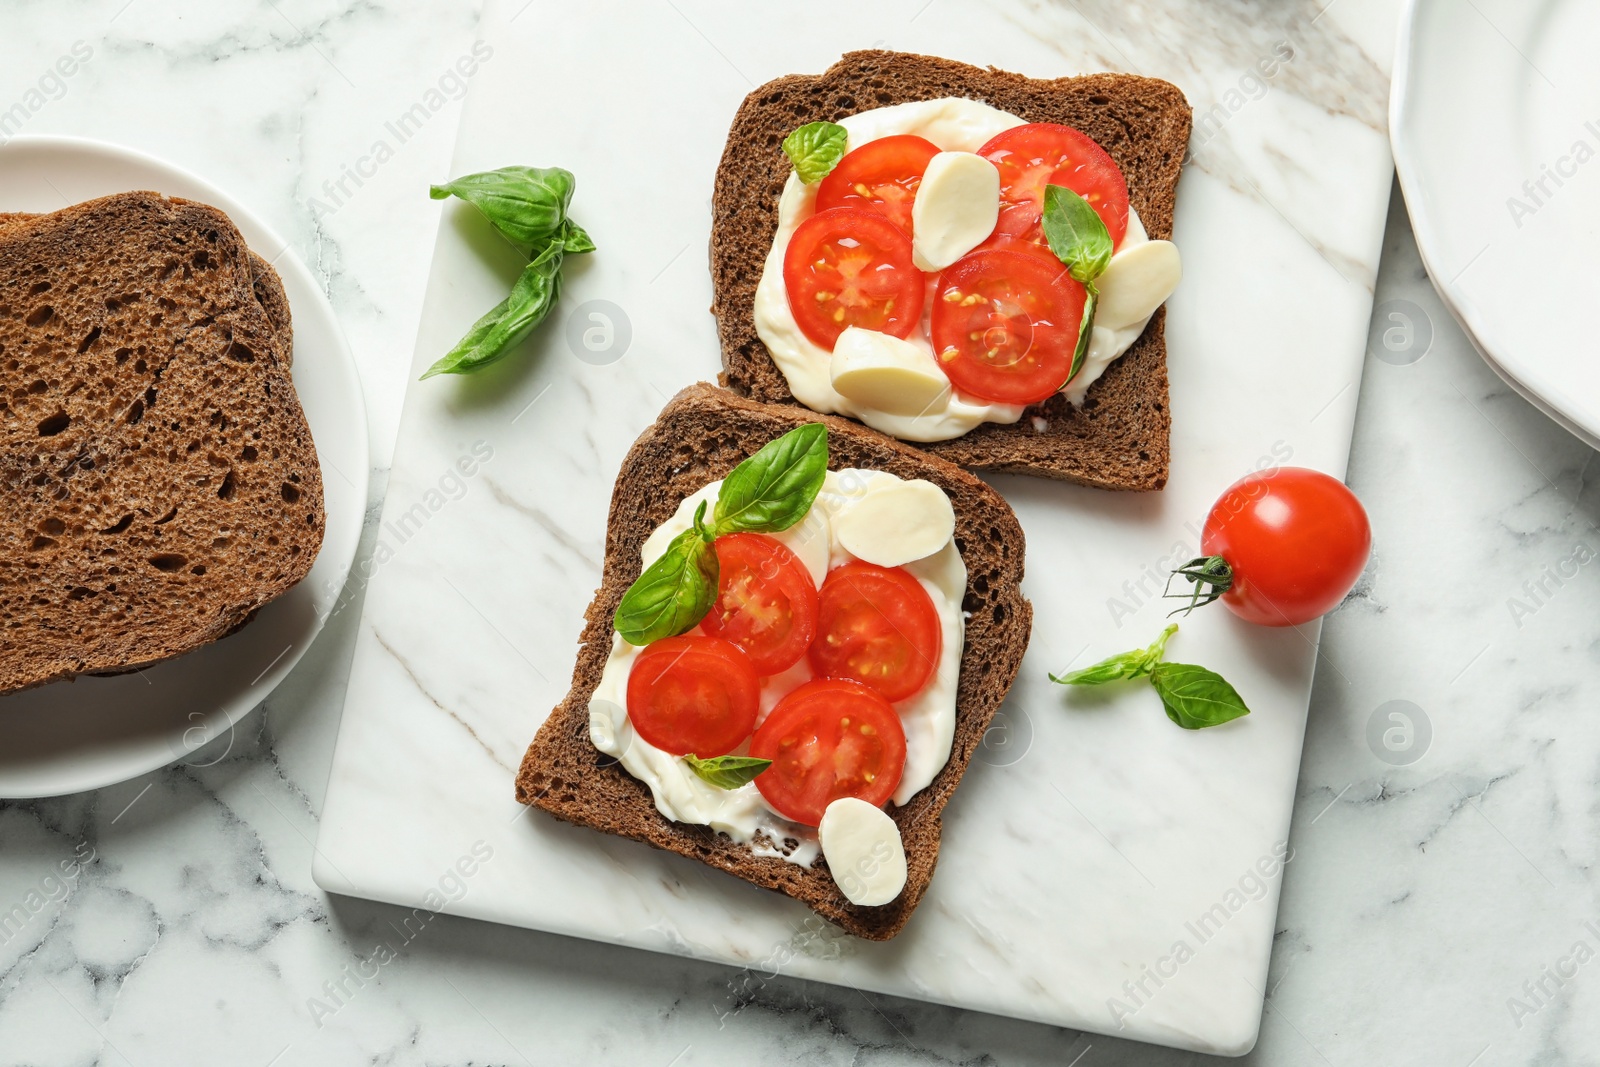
pixel 1120 438
pixel 700 436
pixel 158 482
pixel 265 282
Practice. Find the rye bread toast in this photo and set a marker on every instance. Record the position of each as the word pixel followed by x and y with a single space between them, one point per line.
pixel 1119 439
pixel 700 436
pixel 160 482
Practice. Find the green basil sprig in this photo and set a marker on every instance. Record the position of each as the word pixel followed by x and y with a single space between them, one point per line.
pixel 767 493
pixel 727 772
pixel 814 149
pixel 1194 697
pixel 1079 238
pixel 528 207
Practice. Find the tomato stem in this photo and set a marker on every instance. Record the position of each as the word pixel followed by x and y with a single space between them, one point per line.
pixel 1211 576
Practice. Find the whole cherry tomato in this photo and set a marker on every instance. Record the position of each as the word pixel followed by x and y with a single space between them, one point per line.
pixel 1282 547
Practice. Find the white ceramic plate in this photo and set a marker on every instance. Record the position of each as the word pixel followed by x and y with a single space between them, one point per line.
pixel 1495 119
pixel 83 734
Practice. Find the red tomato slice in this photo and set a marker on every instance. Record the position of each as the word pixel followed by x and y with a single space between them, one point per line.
pixel 1043 153
pixel 1005 325
pixel 851 267
pixel 766 601
pixel 1005 242
pixel 693 694
pixel 881 175
pixel 876 626
pixel 829 739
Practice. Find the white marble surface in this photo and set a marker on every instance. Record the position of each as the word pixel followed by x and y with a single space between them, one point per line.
pixel 1420 900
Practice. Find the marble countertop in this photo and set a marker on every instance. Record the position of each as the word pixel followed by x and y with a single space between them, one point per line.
pixel 1439 907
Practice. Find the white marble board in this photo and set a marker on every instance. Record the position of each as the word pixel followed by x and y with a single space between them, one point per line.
pixel 1090 835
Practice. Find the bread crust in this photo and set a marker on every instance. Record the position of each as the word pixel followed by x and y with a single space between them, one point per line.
pixel 700 436
pixel 1120 438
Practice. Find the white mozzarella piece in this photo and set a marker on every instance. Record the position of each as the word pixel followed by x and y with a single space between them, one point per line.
pixel 897 522
pixel 957 205
pixel 881 371
pixel 1138 281
pixel 864 852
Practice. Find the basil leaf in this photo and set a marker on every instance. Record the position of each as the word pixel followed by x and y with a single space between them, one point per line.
pixel 672 595
pixel 459 356
pixel 1076 233
pixel 814 149
pixel 727 772
pixel 575 239
pixel 1110 669
pixel 1196 697
pixel 1125 665
pixel 526 204
pixel 512 320
pixel 1085 331
pixel 773 489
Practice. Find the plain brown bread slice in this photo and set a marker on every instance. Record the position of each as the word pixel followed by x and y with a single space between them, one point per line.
pixel 700 436
pixel 1120 438
pixel 159 480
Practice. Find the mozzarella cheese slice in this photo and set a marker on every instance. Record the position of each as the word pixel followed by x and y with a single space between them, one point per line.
pixel 877 370
pixel 896 523
pixel 864 852
pixel 1136 282
pixel 957 205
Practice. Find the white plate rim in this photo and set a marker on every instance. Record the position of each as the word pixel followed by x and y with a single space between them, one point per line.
pixel 343 525
pixel 1427 226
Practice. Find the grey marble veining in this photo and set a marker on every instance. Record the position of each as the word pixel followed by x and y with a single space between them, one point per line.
pixel 1432 912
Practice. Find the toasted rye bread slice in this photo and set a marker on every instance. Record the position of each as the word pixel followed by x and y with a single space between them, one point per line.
pixel 264 281
pixel 700 436
pixel 158 482
pixel 1120 438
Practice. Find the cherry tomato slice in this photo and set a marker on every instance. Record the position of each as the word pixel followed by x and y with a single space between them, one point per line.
pixel 1297 540
pixel 766 601
pixel 876 626
pixel 851 267
pixel 1044 153
pixel 1005 242
pixel 693 694
pixel 829 739
pixel 881 175
pixel 1005 325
